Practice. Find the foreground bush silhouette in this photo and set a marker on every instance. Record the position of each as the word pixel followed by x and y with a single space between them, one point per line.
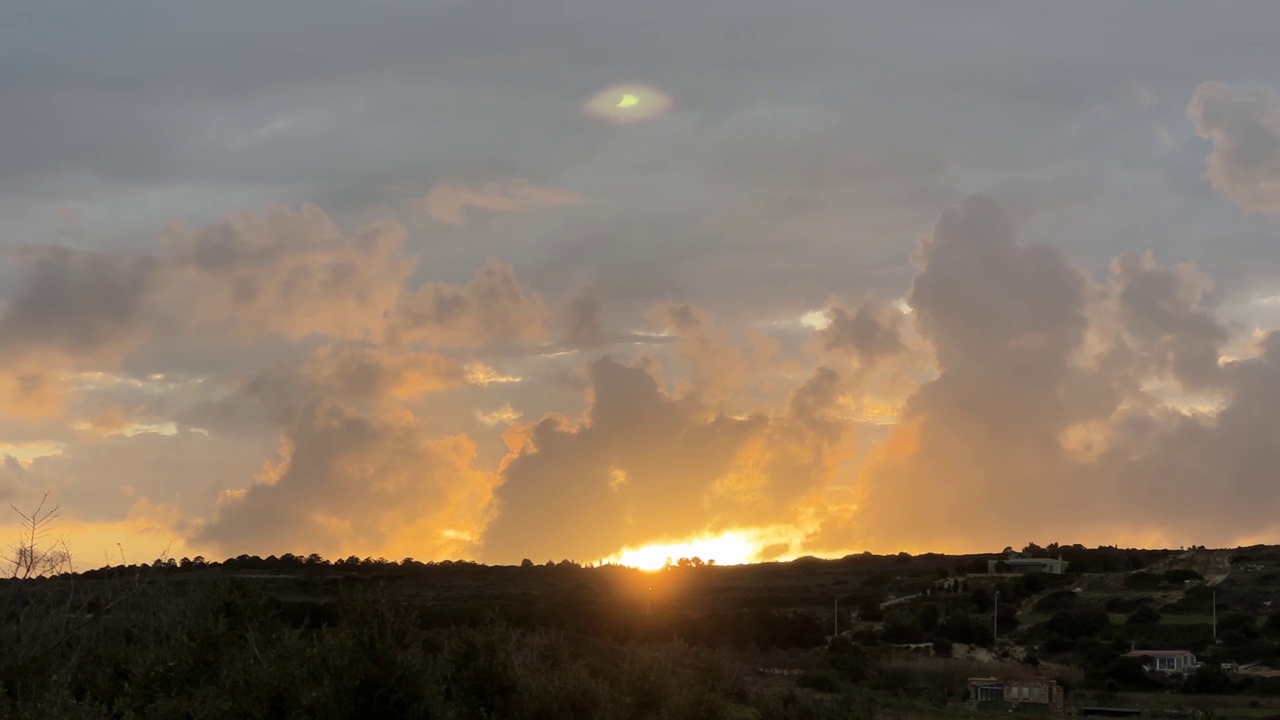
pixel 221 649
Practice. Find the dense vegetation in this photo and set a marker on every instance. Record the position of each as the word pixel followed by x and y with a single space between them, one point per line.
pixel 295 636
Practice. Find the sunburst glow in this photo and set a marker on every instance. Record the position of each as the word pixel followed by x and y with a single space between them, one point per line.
pixel 625 104
pixel 730 548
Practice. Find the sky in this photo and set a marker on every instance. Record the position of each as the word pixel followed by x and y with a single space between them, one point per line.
pixel 603 280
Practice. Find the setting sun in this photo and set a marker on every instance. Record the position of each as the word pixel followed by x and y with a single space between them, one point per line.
pixel 730 548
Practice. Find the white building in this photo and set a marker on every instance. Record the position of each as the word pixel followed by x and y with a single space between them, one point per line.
pixel 1166 661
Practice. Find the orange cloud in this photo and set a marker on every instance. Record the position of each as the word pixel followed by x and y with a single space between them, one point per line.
pixel 643 465
pixel 347 484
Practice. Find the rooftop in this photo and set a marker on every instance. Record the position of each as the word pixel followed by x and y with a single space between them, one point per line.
pixel 1157 653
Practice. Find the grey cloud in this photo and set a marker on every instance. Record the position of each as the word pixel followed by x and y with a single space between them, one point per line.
pixel 1161 309
pixel 494 308
pixel 12 476
pixel 871 332
pixel 1245 164
pixel 581 319
pixel 1024 407
pixel 81 303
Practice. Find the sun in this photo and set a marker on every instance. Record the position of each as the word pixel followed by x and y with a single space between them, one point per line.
pixel 730 548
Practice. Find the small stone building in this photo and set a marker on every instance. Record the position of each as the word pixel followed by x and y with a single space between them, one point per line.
pixel 1023 693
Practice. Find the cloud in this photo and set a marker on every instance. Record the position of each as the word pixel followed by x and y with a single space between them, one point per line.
pixel 1161 310
pixel 643 464
pixel 1042 423
pixel 110 421
pixel 12 476
pixel 493 309
pixel 1245 164
pixel 719 367
pixel 581 319
pixel 248 280
pixel 871 332
pixel 70 223
pixel 286 272
pixel 449 200
pixel 346 484
pixel 364 372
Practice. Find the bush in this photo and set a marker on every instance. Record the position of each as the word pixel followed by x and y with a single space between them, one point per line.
pixel 1208 680
pixel 1075 624
pixel 823 682
pixel 943 647
pixel 1142 581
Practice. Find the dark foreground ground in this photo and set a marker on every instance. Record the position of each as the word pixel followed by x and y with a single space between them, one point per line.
pixel 288 637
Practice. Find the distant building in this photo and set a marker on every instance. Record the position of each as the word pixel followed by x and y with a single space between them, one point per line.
pixel 1023 693
pixel 1166 661
pixel 1019 563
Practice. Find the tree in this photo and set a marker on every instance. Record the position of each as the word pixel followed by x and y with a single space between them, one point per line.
pixel 928 616
pixel 526 563
pixel 1074 624
pixel 1240 623
pixel 848 660
pixel 29 559
pixel 1271 628
pixel 1145 615
pixel 901 629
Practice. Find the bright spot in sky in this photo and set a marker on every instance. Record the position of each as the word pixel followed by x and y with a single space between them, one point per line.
pixel 816 319
pixel 730 548
pixel 625 104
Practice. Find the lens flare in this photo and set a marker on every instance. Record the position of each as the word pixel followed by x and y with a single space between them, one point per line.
pixel 626 104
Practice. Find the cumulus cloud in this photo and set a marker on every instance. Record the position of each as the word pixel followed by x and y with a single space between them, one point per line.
pixel 249 279
pixel 719 367
pixel 1036 429
pixel 1165 321
pixel 1245 130
pixel 347 484
pixel 643 464
pixel 449 200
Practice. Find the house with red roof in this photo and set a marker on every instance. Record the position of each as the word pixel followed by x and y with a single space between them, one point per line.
pixel 1166 661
